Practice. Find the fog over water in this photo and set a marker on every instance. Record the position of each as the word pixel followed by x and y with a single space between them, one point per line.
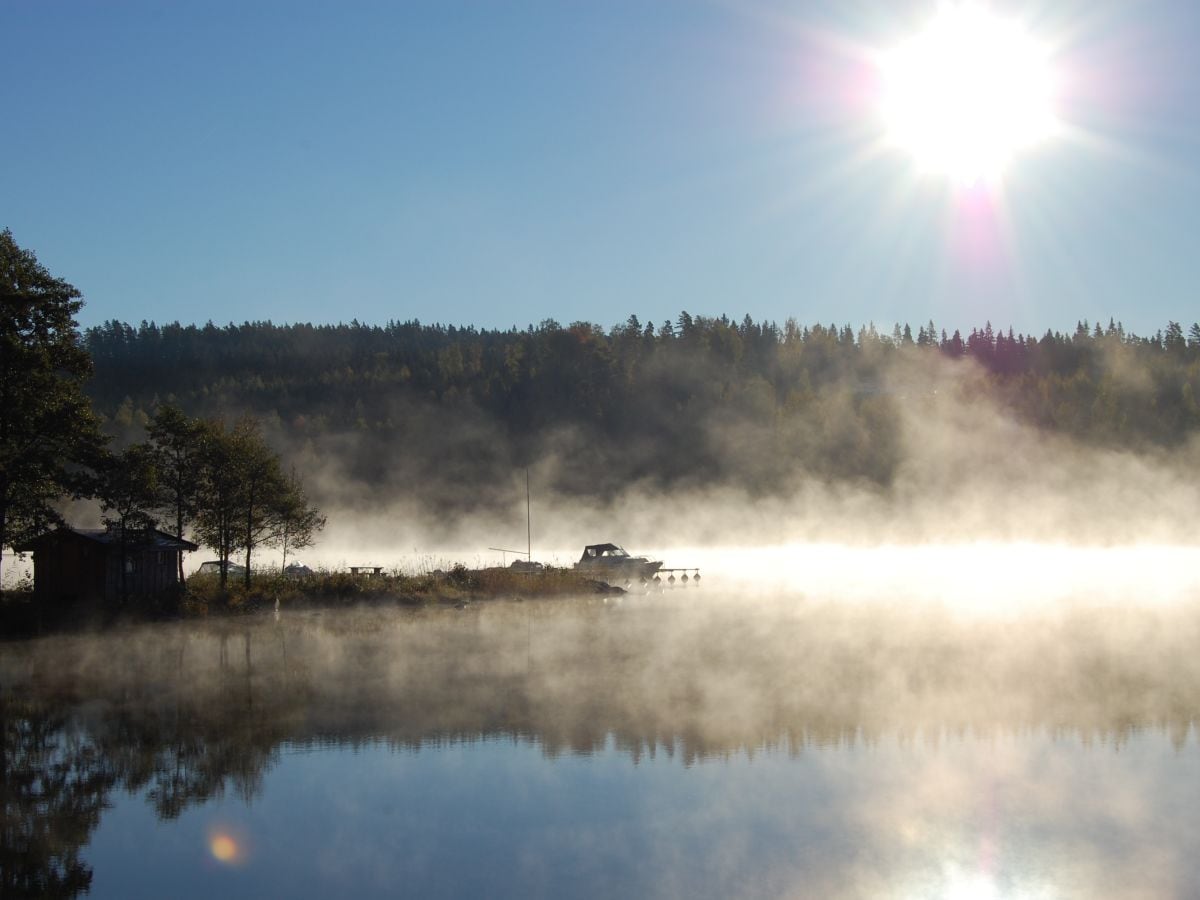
pixel 967 474
pixel 697 742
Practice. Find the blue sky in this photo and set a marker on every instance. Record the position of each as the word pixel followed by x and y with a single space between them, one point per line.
pixel 501 163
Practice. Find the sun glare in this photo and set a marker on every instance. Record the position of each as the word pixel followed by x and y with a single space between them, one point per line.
pixel 967 93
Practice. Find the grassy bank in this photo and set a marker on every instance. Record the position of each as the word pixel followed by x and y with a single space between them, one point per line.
pixel 203 594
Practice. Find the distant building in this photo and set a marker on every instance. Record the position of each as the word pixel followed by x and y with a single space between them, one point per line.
pixel 74 565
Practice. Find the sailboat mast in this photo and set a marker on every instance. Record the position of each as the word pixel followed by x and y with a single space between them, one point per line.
pixel 528 523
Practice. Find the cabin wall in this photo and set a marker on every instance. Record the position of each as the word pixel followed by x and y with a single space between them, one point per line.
pixel 70 570
pixel 147 572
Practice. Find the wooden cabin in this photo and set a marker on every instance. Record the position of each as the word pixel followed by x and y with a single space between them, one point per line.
pixel 76 565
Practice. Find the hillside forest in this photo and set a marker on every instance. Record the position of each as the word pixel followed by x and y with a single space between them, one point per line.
pixel 444 415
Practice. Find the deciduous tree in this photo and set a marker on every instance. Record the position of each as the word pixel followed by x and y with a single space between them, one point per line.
pixel 219 497
pixel 246 501
pixel 178 445
pixel 49 437
pixel 296 522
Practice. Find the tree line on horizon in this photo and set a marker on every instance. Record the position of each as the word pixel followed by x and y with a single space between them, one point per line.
pixel 524 374
pixel 445 413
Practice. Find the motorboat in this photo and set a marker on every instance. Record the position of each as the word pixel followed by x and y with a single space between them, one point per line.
pixel 613 564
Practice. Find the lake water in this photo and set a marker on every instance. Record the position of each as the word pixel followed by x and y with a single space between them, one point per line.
pixel 695 744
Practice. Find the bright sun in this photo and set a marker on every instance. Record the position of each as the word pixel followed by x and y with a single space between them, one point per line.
pixel 967 94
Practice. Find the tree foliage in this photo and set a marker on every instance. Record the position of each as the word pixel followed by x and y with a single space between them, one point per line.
pixel 128 491
pixel 48 433
pixel 242 499
pixel 296 522
pixel 177 443
pixel 128 487
pixel 218 511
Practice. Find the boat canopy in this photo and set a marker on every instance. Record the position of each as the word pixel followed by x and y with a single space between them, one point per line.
pixel 598 551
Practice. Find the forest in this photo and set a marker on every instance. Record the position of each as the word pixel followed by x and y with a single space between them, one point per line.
pixel 446 414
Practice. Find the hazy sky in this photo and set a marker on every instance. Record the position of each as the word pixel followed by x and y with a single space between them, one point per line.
pixel 501 163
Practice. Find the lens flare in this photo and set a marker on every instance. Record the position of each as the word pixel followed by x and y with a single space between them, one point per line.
pixel 225 848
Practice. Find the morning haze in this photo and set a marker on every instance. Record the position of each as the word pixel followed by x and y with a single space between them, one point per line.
pixel 867 329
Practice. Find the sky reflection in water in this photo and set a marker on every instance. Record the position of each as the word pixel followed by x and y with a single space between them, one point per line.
pixel 664 747
pixel 1012 817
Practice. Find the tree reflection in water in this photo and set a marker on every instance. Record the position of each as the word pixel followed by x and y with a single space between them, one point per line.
pixel 181 713
pixel 54 781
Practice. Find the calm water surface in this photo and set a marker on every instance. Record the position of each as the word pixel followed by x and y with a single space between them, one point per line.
pixel 692 745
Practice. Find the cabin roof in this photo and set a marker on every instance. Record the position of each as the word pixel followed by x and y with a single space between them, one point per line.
pixel 144 539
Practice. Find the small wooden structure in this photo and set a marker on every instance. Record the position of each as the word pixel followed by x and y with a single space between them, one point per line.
pixel 73 565
pixel 367 571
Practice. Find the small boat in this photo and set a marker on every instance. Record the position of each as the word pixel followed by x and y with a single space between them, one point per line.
pixel 613 564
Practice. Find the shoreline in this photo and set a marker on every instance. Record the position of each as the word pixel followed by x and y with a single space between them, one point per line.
pixel 202 597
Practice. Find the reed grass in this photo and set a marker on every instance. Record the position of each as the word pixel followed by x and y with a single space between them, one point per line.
pixel 335 588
